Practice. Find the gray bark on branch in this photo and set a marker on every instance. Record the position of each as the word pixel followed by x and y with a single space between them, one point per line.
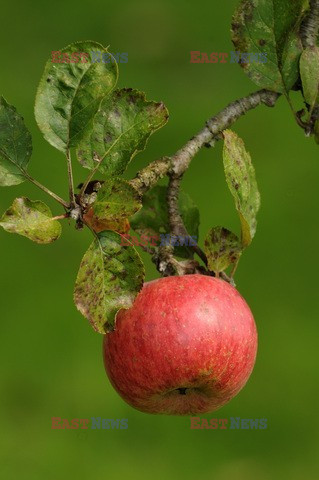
pixel 310 25
pixel 223 120
pixel 150 175
pixel 178 163
pixel 176 166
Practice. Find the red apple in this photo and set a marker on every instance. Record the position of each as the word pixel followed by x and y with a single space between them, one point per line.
pixel 186 346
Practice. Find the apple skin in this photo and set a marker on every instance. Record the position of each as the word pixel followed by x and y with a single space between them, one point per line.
pixel 187 346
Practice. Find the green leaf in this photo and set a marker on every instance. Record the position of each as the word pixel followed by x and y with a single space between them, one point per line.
pixel 15 145
pixel 241 180
pixel 31 219
pixel 69 95
pixel 309 72
pixel 116 201
pixel 110 277
pixel 222 248
pixel 121 129
pixel 152 219
pixel 270 27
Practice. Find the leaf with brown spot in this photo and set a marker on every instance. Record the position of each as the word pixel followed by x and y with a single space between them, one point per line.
pixel 32 220
pixel 116 201
pixel 15 146
pixel 222 248
pixel 69 94
pixel 241 180
pixel 120 226
pixel 270 27
pixel 121 129
pixel 109 278
pixel 309 72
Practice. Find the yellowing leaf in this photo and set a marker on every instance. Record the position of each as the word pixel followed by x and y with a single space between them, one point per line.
pixel 31 219
pixel 110 277
pixel 309 72
pixel 116 201
pixel 222 248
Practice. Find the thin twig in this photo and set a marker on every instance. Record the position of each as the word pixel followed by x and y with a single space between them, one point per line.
pixel 70 178
pixel 93 172
pixel 46 190
pixel 61 217
pixel 176 223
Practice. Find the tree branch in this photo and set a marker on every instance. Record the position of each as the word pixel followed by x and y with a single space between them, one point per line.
pixel 176 166
pixel 150 175
pixel 310 25
pixel 217 124
pixel 167 265
pixel 177 226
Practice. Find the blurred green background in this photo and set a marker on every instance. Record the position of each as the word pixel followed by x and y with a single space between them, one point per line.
pixel 50 358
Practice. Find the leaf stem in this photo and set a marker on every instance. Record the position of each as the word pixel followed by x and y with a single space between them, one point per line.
pixel 70 177
pixel 95 235
pixel 61 217
pixel 87 181
pixel 46 190
pixel 234 269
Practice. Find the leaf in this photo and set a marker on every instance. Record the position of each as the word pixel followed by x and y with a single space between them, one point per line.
pixel 222 248
pixel 241 180
pixel 121 129
pixel 31 219
pixel 309 72
pixel 115 202
pixel 120 226
pixel 15 145
pixel 270 27
pixel 69 95
pixel 152 219
pixel 110 277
